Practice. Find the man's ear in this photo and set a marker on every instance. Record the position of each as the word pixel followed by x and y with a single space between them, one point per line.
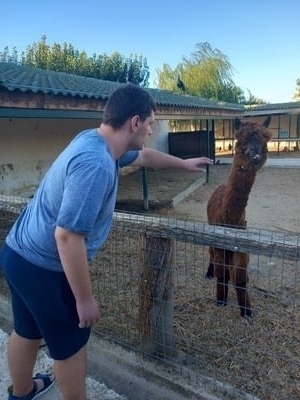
pixel 135 122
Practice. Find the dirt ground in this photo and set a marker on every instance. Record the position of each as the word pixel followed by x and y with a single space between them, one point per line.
pixel 273 202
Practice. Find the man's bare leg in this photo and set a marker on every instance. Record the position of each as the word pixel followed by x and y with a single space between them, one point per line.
pixel 70 375
pixel 21 357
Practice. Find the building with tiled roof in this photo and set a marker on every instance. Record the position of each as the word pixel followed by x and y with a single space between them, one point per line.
pixel 40 112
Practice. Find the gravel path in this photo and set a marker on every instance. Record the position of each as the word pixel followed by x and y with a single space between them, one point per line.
pixel 96 390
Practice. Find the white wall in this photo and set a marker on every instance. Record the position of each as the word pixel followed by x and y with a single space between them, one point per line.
pixel 159 138
pixel 28 147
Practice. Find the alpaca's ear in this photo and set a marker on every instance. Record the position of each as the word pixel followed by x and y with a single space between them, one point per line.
pixel 237 124
pixel 267 121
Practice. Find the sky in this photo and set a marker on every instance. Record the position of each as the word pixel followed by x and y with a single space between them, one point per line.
pixel 261 38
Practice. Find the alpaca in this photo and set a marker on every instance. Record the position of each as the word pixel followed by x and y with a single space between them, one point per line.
pixel 226 207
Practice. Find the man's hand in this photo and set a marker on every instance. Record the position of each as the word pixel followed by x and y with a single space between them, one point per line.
pixel 196 164
pixel 88 313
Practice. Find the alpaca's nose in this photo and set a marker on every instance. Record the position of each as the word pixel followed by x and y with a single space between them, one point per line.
pixel 257 157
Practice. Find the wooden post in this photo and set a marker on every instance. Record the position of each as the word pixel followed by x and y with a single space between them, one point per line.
pixel 156 296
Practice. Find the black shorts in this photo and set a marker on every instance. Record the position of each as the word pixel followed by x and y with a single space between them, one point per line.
pixel 43 306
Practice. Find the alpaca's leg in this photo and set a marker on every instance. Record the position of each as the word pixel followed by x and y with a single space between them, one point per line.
pixel 222 274
pixel 240 280
pixel 211 267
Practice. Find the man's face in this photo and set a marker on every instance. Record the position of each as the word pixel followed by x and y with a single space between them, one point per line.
pixel 144 128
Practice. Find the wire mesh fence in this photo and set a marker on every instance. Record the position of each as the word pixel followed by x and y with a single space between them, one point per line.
pixel 150 281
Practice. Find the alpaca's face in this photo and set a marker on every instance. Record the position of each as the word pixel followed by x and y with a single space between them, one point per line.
pixel 251 145
pixel 253 149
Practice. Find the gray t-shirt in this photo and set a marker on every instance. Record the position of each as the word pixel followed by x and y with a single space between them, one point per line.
pixel 78 193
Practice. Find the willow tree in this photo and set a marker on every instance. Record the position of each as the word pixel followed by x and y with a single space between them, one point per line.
pixel 207 73
pixel 166 78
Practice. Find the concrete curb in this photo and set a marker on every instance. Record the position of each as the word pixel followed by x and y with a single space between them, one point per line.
pixel 133 376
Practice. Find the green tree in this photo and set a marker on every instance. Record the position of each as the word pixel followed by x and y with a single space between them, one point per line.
pixel 5 56
pixel 207 74
pixel 167 78
pixel 138 70
pixel 65 58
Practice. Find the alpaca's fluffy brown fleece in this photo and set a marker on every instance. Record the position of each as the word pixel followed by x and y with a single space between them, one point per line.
pixel 227 207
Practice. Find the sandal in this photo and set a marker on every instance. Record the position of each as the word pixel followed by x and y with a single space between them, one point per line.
pixel 48 381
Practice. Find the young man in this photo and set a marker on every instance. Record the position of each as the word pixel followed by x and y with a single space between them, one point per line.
pixel 47 251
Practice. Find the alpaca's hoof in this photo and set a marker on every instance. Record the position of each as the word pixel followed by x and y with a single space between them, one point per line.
pixel 221 303
pixel 246 312
pixel 210 274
